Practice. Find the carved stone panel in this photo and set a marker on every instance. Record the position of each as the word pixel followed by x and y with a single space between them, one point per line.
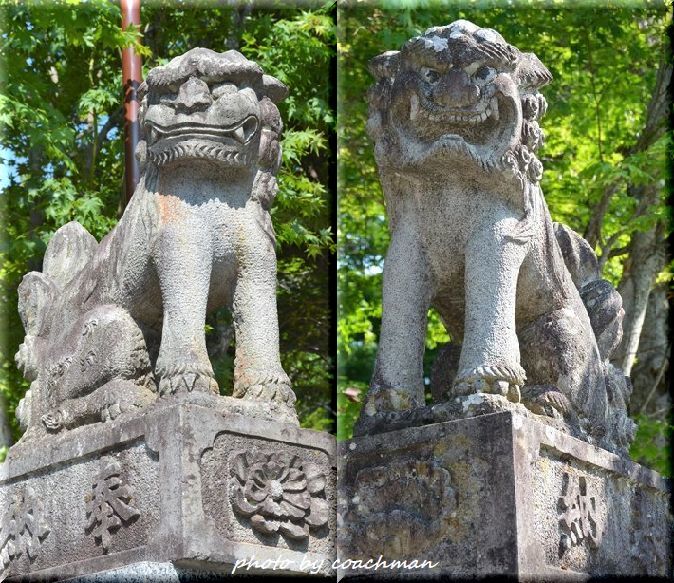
pixel 277 495
pixel 109 504
pixel 578 519
pixel 23 528
pixel 279 492
pixel 401 510
pixel 442 493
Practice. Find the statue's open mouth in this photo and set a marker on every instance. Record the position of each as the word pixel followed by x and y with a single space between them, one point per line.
pixel 475 125
pixel 240 133
pixel 190 140
pixel 445 128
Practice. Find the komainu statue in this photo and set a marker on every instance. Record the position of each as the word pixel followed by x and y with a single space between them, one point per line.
pixel 454 116
pixel 110 324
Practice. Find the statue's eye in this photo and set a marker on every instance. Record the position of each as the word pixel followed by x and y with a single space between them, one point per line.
pixel 223 89
pixel 431 75
pixel 484 73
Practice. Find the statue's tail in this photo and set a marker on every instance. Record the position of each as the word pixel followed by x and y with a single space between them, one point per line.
pixel 69 251
pixel 601 299
pixel 604 307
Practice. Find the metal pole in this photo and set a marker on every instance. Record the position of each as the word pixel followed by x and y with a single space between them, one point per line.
pixel 131 80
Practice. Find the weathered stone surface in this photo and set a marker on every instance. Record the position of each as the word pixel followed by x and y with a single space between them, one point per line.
pixel 501 493
pixel 110 324
pixel 454 116
pixel 163 485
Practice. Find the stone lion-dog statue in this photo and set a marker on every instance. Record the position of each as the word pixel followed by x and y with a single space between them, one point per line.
pixel 454 118
pixel 109 324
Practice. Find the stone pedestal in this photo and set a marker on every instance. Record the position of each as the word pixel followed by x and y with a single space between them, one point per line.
pixel 187 484
pixel 499 494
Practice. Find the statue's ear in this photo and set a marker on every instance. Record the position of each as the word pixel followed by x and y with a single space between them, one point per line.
pixel 273 88
pixel 531 73
pixel 142 90
pixel 385 66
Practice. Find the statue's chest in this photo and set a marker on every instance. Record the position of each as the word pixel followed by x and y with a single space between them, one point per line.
pixel 452 220
pixel 447 219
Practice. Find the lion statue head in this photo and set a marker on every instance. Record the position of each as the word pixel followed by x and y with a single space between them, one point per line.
pixel 214 107
pixel 458 92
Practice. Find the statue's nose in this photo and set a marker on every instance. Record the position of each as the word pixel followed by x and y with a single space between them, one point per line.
pixel 455 89
pixel 194 95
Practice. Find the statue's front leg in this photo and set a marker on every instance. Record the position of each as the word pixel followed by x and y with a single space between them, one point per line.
pixel 183 258
pixel 258 373
pixel 397 383
pixel 490 356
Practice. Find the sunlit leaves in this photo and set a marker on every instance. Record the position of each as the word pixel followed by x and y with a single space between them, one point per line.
pixel 97 100
pixel 652 444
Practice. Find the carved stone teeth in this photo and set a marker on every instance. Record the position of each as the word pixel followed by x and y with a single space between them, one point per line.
pixel 414 106
pixel 239 134
pixel 494 109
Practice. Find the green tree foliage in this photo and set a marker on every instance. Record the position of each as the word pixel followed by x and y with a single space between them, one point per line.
pixel 598 149
pixel 62 127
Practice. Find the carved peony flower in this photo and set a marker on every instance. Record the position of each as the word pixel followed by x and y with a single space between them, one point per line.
pixel 279 492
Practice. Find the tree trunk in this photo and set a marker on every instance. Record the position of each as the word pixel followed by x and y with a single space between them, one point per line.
pixel 647 256
pixel 648 378
pixel 646 259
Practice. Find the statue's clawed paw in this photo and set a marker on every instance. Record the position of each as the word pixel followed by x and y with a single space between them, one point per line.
pixel 497 380
pixel 185 379
pixel 548 401
pixel 386 399
pixel 266 387
pixel 54 421
pixel 272 392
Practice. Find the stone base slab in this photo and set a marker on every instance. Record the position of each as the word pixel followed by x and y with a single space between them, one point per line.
pixel 178 482
pixel 499 494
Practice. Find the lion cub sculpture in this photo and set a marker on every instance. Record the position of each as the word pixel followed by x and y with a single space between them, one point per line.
pixel 454 117
pixel 109 324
